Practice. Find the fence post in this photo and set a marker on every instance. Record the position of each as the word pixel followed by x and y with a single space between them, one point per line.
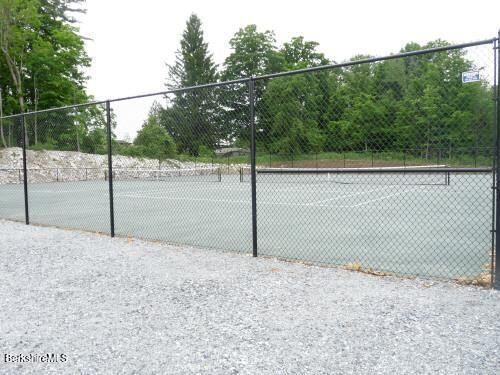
pixel 25 170
pixel 110 171
pixel 496 283
pixel 251 84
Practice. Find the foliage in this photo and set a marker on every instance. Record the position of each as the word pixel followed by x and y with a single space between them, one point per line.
pixel 254 53
pixel 42 59
pixel 153 140
pixel 47 49
pixel 192 112
pixel 416 103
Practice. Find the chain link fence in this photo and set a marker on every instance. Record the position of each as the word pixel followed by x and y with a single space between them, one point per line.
pixel 382 165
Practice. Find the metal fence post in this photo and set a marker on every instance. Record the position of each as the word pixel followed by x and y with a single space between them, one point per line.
pixel 496 281
pixel 25 169
pixel 110 170
pixel 251 88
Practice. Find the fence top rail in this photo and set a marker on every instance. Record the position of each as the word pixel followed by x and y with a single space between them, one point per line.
pixel 269 76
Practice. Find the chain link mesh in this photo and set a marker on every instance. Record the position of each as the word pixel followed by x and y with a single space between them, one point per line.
pixel 66 164
pixel 11 173
pixel 384 166
pixel 390 122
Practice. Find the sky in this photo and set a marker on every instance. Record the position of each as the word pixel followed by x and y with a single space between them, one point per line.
pixel 130 42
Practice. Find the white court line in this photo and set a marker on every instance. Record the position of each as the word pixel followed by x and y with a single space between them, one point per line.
pixel 236 187
pixel 65 191
pixel 55 191
pixel 345 196
pixel 248 202
pixel 386 197
pixel 183 198
pixel 190 199
pixel 307 204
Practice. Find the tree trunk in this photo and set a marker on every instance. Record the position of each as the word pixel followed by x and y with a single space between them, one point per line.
pixel 427 146
pixel 36 129
pixel 36 107
pixel 77 139
pixel 2 137
pixel 21 104
pixel 15 72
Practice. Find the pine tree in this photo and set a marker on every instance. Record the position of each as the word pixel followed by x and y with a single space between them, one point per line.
pixel 191 116
pixel 193 63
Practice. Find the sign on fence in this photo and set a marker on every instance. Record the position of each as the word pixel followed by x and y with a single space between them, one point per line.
pixel 472 76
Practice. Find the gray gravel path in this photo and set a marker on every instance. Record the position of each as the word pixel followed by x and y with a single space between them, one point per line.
pixel 118 306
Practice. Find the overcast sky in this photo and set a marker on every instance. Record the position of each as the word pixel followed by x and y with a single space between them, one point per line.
pixel 132 40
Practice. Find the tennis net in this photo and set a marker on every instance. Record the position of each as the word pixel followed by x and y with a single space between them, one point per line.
pixel 171 175
pixel 418 175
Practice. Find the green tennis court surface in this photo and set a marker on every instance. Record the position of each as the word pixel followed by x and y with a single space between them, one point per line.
pixel 431 229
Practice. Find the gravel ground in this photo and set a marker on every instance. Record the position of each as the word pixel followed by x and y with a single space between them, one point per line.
pixel 121 306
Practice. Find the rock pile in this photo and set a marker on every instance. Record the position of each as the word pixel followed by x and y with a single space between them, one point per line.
pixel 51 166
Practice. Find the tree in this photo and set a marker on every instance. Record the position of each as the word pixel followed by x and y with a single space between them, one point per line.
pixel 290 124
pixel 253 53
pixel 17 20
pixel 293 114
pixel 299 53
pixel 41 57
pixel 153 141
pixel 193 63
pixel 190 119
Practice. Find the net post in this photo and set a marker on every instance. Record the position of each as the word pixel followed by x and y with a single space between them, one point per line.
pixel 25 169
pixel 110 170
pixel 251 89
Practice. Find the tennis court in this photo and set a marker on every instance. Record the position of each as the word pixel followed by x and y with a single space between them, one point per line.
pixel 430 225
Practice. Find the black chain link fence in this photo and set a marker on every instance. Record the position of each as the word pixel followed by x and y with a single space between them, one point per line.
pixel 382 165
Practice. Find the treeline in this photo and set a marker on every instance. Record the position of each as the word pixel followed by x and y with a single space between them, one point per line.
pixel 42 62
pixel 413 103
pixel 417 102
